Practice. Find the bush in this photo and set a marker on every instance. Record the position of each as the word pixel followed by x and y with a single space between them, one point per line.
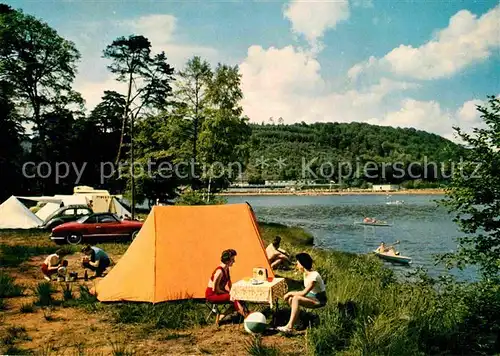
pixel 44 291
pixel 8 288
pixel 197 197
pixel 27 308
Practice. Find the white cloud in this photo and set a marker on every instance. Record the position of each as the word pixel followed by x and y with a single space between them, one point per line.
pixel 466 40
pixel 313 18
pixel 430 116
pixel 468 115
pixel 286 83
pixel 423 115
pixel 157 28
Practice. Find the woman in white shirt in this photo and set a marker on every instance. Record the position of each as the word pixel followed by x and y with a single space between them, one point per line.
pixel 312 296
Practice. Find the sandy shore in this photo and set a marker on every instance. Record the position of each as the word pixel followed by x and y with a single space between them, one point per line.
pixel 325 192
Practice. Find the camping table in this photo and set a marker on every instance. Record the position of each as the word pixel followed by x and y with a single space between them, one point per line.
pixel 267 292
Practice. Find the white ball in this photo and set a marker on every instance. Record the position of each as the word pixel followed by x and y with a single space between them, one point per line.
pixel 255 323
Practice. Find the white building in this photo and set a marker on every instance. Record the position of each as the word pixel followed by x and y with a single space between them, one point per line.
pixel 385 187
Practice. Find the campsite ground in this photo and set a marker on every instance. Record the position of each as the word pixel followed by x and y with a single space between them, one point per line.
pixel 65 329
pixel 369 312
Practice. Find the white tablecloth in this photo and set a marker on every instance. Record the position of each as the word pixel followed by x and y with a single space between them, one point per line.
pixel 266 292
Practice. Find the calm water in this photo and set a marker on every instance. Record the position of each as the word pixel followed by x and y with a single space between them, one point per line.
pixel 423 228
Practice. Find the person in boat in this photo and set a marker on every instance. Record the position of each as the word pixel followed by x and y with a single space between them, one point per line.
pixel 219 284
pixel 370 220
pixel 388 250
pixel 312 296
pixel 275 255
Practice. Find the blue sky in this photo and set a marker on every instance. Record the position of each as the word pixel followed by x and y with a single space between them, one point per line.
pixel 424 64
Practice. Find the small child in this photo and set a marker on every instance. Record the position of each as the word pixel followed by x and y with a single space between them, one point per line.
pixel 53 262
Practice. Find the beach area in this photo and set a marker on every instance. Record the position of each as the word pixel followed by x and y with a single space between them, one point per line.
pixel 334 192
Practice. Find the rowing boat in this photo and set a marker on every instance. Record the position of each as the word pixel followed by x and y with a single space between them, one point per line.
pixel 378 223
pixel 394 258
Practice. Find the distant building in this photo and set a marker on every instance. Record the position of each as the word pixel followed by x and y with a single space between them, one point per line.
pixel 385 187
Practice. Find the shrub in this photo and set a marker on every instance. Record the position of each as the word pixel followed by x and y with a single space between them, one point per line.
pixel 255 347
pixel 197 197
pixel 67 292
pixel 44 291
pixel 8 288
pixel 27 308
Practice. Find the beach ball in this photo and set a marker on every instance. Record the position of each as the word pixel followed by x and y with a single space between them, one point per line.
pixel 255 323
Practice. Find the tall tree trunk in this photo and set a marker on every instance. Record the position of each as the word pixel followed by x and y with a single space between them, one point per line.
pixel 125 116
pixel 195 134
pixel 132 178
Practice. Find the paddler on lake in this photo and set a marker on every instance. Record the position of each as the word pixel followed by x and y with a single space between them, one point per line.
pixel 388 250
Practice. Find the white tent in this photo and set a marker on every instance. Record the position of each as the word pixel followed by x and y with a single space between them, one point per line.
pixel 14 215
pixel 45 199
pixel 47 209
pixel 58 199
pixel 117 208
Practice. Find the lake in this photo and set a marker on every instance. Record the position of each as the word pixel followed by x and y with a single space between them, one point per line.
pixel 423 228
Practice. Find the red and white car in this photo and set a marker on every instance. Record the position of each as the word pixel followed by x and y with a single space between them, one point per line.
pixel 99 226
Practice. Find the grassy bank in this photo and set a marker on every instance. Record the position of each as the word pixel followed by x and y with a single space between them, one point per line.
pixel 369 312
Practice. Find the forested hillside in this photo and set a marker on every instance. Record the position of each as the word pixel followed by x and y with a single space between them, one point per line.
pixel 343 144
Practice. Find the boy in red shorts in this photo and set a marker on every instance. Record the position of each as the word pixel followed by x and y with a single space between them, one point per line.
pixel 52 263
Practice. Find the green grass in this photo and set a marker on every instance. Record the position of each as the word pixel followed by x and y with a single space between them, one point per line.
pixel 8 288
pixel 85 301
pixel 393 317
pixel 173 315
pixel 255 347
pixel 13 256
pixel 114 248
pixel 121 348
pixel 27 308
pixel 43 291
pixel 369 312
pixel 290 235
pixel 14 334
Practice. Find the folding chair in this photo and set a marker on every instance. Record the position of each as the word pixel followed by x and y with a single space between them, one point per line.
pixel 217 309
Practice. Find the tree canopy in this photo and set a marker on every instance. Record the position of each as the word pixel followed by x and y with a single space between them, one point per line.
pixel 474 195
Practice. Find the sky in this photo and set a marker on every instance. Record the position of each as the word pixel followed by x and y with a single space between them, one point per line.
pixel 424 64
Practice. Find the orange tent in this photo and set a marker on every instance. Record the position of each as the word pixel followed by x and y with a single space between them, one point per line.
pixel 177 249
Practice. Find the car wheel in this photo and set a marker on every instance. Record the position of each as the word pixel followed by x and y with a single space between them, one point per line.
pixel 134 234
pixel 74 239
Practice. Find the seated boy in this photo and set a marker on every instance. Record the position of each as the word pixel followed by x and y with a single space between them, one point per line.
pixel 275 255
pixel 52 263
